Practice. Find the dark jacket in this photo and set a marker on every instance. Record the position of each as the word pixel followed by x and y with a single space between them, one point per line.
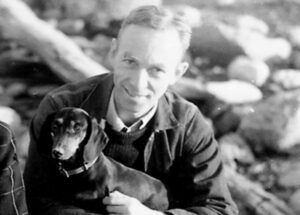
pixel 181 151
pixel 12 190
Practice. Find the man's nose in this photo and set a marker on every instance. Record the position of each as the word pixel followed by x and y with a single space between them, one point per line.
pixel 140 78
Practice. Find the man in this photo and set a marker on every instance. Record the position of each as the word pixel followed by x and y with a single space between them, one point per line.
pixel 12 190
pixel 150 128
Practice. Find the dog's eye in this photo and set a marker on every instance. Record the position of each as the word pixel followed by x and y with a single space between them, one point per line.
pixel 54 128
pixel 77 126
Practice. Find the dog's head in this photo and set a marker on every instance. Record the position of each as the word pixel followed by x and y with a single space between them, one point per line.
pixel 74 136
pixel 69 131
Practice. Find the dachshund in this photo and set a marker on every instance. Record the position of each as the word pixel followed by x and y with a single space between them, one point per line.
pixel 89 175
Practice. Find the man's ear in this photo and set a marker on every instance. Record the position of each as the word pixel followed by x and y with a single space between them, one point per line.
pixel 180 70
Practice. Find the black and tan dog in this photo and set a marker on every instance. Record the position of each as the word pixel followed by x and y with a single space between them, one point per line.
pixel 89 175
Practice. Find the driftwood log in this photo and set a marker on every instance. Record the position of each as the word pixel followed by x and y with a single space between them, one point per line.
pixel 65 58
pixel 19 23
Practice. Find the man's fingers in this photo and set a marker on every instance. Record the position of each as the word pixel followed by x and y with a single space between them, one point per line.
pixel 115 209
pixel 115 198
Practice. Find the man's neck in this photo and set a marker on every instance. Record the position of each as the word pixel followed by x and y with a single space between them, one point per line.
pixel 129 120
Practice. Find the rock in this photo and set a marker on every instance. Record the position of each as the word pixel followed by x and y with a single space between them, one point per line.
pixel 101 47
pixel 258 46
pixel 214 42
pixel 249 70
pixel 16 89
pixel 251 24
pixel 226 2
pixel 78 9
pixel 234 91
pixel 289 177
pixel 225 120
pixel 294 201
pixel 295 59
pixel 119 9
pixel 189 88
pixel 71 26
pixel 191 14
pixel 273 124
pixel 234 148
pixel 5 100
pixel 10 117
pixel 287 78
pixel 293 34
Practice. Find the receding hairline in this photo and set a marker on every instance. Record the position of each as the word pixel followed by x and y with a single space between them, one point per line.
pixel 159 18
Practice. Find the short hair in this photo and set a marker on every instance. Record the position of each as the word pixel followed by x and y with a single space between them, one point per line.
pixel 159 18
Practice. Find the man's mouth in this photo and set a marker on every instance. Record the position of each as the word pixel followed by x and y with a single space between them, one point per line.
pixel 134 94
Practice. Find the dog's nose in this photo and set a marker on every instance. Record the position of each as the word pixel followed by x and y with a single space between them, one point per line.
pixel 56 153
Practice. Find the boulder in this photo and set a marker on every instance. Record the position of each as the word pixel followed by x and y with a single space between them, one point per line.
pixel 10 117
pixel 261 47
pixel 119 9
pixel 288 79
pixel 293 35
pixel 249 70
pixel 213 41
pixel 235 149
pixel 71 26
pixel 234 91
pixel 289 176
pixel 251 24
pixel 273 124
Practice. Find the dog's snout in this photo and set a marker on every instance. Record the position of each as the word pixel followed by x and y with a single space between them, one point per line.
pixel 56 153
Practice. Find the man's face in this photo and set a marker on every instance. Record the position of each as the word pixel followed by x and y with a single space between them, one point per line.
pixel 145 63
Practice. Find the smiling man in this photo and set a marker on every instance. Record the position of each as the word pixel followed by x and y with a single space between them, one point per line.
pixel 150 128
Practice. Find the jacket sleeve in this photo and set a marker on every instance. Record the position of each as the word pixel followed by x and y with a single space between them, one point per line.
pixel 12 190
pixel 198 177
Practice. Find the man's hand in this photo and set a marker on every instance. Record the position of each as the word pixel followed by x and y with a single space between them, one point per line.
pixel 119 203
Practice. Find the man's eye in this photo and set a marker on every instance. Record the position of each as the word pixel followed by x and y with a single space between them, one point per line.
pixel 129 61
pixel 157 71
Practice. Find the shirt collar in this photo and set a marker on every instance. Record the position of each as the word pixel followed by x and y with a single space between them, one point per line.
pixel 116 122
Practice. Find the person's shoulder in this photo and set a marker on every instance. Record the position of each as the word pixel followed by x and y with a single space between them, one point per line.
pixel 5 133
pixel 181 108
pixel 80 86
pixel 176 100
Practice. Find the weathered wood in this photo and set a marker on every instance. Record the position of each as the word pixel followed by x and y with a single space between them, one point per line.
pixel 19 23
pixel 253 196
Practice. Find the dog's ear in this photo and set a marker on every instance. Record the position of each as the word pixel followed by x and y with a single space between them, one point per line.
pixel 96 142
pixel 44 142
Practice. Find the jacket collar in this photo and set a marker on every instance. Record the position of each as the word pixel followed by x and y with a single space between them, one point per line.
pixel 97 100
pixel 164 117
pixel 97 103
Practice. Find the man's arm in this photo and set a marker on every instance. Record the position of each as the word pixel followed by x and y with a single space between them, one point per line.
pixel 197 182
pixel 12 190
pixel 198 179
